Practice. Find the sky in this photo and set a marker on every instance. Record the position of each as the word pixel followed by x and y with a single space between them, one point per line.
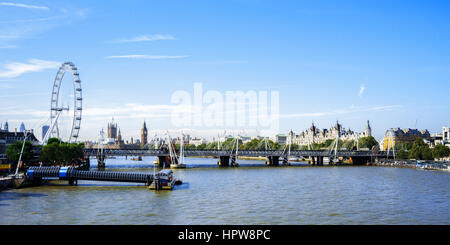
pixel 352 61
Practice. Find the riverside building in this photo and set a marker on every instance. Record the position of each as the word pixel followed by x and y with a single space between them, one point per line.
pixel 314 135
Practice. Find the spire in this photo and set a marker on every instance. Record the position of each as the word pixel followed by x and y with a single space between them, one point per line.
pixel 119 138
pixel 368 129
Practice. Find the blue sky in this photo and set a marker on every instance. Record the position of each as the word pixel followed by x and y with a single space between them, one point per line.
pixel 383 61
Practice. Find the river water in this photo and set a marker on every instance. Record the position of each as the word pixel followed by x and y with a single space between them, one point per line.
pixel 250 194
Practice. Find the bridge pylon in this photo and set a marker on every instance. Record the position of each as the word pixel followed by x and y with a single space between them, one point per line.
pixel 101 161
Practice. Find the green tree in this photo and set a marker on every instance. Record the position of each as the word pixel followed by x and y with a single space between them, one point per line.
pixel 402 154
pixel 405 145
pixel 57 152
pixel 53 141
pixel 420 151
pixel 190 147
pixel 349 145
pixel 201 147
pixel 13 152
pixel 367 142
pixel 327 143
pixel 440 151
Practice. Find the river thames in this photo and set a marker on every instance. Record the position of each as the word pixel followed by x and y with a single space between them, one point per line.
pixel 250 194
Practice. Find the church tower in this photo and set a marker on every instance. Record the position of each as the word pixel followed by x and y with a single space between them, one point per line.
pixel 368 129
pixel 144 133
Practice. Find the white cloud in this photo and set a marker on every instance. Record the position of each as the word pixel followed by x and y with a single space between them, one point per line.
pixel 20 5
pixel 16 69
pixel 361 90
pixel 147 38
pixel 144 56
pixel 33 20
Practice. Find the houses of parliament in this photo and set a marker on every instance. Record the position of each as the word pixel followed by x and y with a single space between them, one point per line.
pixel 115 140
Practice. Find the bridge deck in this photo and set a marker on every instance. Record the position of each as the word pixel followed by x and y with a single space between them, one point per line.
pixel 212 153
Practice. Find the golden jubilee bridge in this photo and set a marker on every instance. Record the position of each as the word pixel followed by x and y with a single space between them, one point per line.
pixel 227 157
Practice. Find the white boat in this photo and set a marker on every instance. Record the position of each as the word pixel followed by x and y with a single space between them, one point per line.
pixel 164 180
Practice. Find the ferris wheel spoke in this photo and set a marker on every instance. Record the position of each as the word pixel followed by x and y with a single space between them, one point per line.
pixel 56 109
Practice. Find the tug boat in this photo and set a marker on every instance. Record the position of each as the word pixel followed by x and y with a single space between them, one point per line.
pixel 164 180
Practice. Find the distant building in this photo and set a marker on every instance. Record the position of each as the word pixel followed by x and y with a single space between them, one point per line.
pixel 112 130
pixel 394 136
pixel 439 138
pixel 434 140
pixel 314 135
pixel 115 139
pixel 446 134
pixel 280 139
pixel 8 138
pixel 45 128
pixel 22 127
pixel 186 140
pixel 144 133
pixel 6 127
pixel 197 141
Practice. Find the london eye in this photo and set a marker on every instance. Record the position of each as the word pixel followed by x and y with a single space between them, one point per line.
pixel 64 126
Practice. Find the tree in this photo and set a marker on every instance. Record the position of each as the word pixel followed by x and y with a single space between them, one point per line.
pixel 367 142
pixel 441 151
pixel 53 141
pixel 13 152
pixel 201 147
pixel 420 151
pixel 57 152
pixel 349 144
pixel 402 154
pixel 406 145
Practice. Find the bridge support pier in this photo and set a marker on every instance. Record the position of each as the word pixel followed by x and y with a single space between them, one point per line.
pixel 316 161
pixel 163 161
pixel 101 162
pixel 360 160
pixel 312 160
pixel 273 161
pixel 224 161
pixel 321 160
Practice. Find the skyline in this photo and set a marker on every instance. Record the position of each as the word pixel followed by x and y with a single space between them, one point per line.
pixel 352 61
